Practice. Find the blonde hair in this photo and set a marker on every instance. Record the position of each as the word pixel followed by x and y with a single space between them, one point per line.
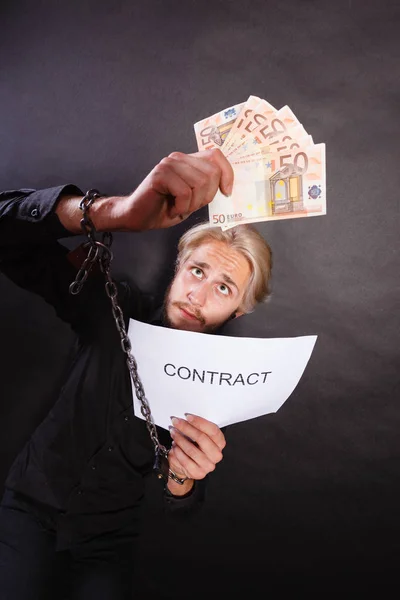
pixel 244 239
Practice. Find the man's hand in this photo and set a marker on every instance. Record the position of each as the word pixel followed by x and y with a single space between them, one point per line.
pixel 178 186
pixel 196 449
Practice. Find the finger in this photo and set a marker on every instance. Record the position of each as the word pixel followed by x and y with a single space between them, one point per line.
pixel 174 463
pixel 202 176
pixel 194 423
pixel 192 468
pixel 175 220
pixel 201 162
pixel 216 157
pixel 165 181
pixel 205 454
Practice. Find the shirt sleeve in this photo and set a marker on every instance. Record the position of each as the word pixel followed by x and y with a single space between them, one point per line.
pixel 33 259
pixel 29 217
pixel 190 503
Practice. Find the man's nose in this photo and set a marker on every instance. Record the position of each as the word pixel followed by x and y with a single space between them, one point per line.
pixel 198 294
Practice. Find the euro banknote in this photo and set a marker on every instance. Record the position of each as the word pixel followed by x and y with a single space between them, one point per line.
pixel 280 186
pixel 212 131
pixel 275 125
pixel 254 113
pixel 279 172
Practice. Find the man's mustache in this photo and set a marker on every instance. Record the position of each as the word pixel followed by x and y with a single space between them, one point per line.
pixel 192 310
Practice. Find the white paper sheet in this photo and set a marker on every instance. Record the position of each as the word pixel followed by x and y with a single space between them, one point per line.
pixel 223 379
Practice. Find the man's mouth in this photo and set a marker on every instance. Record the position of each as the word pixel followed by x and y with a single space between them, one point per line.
pixel 187 314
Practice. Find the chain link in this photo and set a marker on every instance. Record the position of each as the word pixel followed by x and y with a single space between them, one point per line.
pixel 101 252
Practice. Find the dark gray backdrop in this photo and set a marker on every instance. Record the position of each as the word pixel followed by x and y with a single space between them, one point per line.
pixel 96 93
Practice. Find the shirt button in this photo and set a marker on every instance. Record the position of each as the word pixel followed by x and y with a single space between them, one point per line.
pixel 80 492
pixel 126 418
pixel 110 448
pixel 34 212
pixel 93 467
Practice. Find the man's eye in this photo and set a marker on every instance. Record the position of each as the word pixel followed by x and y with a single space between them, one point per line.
pixel 196 272
pixel 224 289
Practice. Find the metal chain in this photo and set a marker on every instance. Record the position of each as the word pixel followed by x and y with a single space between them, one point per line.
pixel 101 252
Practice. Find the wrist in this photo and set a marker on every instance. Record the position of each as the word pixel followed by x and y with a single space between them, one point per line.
pixel 106 214
pixel 177 489
pixel 178 484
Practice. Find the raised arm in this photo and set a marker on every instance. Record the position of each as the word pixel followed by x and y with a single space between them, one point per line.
pixel 178 186
pixel 31 221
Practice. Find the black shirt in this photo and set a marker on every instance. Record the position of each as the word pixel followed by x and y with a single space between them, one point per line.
pixel 86 461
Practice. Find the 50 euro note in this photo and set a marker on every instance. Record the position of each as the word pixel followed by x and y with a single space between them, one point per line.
pixel 294 137
pixel 280 186
pixel 274 125
pixel 213 131
pixel 255 112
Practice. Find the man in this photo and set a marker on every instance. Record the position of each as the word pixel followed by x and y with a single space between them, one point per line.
pixel 73 494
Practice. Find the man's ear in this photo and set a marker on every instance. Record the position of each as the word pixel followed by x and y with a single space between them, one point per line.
pixel 236 314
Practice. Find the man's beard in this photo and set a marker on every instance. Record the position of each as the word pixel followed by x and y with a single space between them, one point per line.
pixel 168 323
pixel 186 306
